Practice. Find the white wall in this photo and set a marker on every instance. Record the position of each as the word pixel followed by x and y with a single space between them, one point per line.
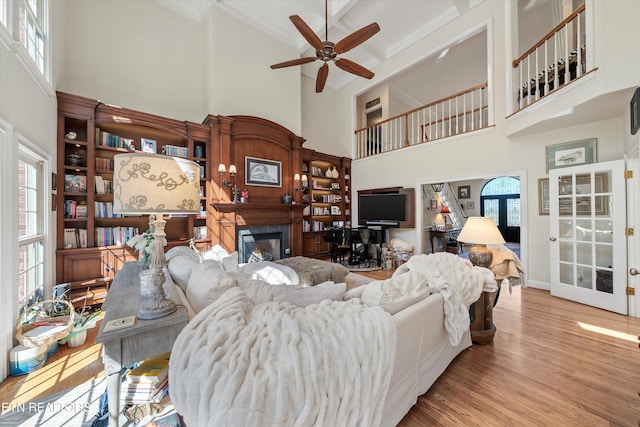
pixel 239 79
pixel 136 54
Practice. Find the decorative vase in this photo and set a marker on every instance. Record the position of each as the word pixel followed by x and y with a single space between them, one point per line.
pixel 335 173
pixel 287 199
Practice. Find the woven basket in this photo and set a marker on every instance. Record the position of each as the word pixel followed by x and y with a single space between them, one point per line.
pixel 43 313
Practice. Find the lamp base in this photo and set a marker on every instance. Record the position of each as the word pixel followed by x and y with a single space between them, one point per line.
pixel 154 303
pixel 481 256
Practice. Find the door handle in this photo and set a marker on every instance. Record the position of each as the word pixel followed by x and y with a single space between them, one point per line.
pixel 553 239
pixel 633 272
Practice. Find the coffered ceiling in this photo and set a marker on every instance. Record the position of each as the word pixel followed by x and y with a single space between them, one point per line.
pixel 402 23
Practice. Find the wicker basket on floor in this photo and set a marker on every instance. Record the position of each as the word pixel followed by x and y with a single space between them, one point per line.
pixel 45 313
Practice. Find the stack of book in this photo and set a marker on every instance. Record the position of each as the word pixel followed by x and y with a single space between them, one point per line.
pixel 147 382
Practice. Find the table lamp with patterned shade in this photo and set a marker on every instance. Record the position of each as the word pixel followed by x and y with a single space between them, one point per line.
pixel 145 183
pixel 480 231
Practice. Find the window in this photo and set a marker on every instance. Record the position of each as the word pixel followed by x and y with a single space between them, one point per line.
pixel 30 229
pixel 4 14
pixel 32 30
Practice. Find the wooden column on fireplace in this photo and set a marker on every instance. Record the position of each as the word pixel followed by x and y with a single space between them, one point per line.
pixel 234 139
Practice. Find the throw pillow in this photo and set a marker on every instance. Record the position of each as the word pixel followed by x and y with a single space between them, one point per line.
pixel 230 263
pixel 206 284
pixel 217 252
pixel 180 268
pixel 396 293
pixel 184 251
pixel 270 272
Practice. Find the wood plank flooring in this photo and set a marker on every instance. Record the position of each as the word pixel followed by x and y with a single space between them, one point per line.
pixel 552 363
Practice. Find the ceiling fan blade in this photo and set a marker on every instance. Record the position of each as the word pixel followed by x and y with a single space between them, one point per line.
pixel 353 68
pixel 307 32
pixel 323 72
pixel 298 61
pixel 357 38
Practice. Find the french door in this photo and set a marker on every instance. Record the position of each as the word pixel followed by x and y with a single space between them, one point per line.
pixel 587 206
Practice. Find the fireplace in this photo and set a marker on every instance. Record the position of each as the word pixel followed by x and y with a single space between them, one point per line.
pixel 267 242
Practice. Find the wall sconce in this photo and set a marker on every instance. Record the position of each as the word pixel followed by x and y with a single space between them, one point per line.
pixel 296 181
pixel 305 181
pixel 223 169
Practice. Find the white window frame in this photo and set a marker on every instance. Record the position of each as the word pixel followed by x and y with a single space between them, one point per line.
pixel 10 36
pixel 36 239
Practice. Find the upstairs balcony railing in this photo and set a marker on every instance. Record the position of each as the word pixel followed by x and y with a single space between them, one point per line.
pixel 465 111
pixel 554 61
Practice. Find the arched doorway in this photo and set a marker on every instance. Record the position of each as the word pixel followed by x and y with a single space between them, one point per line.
pixel 500 200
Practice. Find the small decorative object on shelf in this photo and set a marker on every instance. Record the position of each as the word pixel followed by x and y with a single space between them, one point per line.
pixel 236 194
pixel 244 196
pixel 74 160
pixel 287 199
pixel 335 173
pixel 71 136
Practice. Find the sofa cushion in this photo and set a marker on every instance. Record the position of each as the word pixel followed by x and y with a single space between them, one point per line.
pixel 396 293
pixel 217 252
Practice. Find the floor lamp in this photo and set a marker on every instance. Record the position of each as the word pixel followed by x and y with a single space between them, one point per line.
pixel 155 184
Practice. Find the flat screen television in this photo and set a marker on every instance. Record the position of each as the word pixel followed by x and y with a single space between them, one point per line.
pixel 383 209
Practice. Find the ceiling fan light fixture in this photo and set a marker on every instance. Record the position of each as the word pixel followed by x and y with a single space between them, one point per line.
pixel 328 51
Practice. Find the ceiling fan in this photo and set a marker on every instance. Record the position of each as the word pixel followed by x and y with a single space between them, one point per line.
pixel 328 51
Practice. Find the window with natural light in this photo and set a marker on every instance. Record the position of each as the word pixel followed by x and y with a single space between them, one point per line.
pixel 32 30
pixel 30 230
pixel 4 15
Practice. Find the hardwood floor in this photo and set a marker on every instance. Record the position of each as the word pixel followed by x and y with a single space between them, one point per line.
pixel 552 363
pixel 67 368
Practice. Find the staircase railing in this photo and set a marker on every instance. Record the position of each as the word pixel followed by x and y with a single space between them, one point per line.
pixel 462 112
pixel 558 58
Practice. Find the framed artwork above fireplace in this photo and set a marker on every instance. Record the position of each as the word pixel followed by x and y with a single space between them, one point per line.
pixel 262 172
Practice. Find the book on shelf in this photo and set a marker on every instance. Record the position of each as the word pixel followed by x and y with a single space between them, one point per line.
pixel 75 183
pixel 175 151
pixel 81 210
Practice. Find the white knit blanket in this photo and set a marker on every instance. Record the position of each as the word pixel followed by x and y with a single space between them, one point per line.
pixel 459 283
pixel 275 364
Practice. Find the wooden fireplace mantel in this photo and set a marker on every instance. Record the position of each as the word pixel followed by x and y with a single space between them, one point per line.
pixel 239 207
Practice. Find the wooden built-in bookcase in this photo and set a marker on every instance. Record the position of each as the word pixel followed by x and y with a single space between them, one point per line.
pixel 326 196
pixel 90 237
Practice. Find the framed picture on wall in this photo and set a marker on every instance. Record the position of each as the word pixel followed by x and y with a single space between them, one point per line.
pixel 543 196
pixel 571 154
pixel 262 172
pixel 635 112
pixel 464 192
pixel 469 205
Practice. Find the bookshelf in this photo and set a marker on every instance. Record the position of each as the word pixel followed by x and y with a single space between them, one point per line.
pixel 326 195
pixel 90 134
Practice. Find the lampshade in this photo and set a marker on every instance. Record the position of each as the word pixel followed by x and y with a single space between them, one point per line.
pixel 232 169
pixel 222 168
pixel 445 209
pixel 146 183
pixel 480 230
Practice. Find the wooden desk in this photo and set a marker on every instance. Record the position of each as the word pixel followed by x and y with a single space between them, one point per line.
pixel 443 236
pixel 147 338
